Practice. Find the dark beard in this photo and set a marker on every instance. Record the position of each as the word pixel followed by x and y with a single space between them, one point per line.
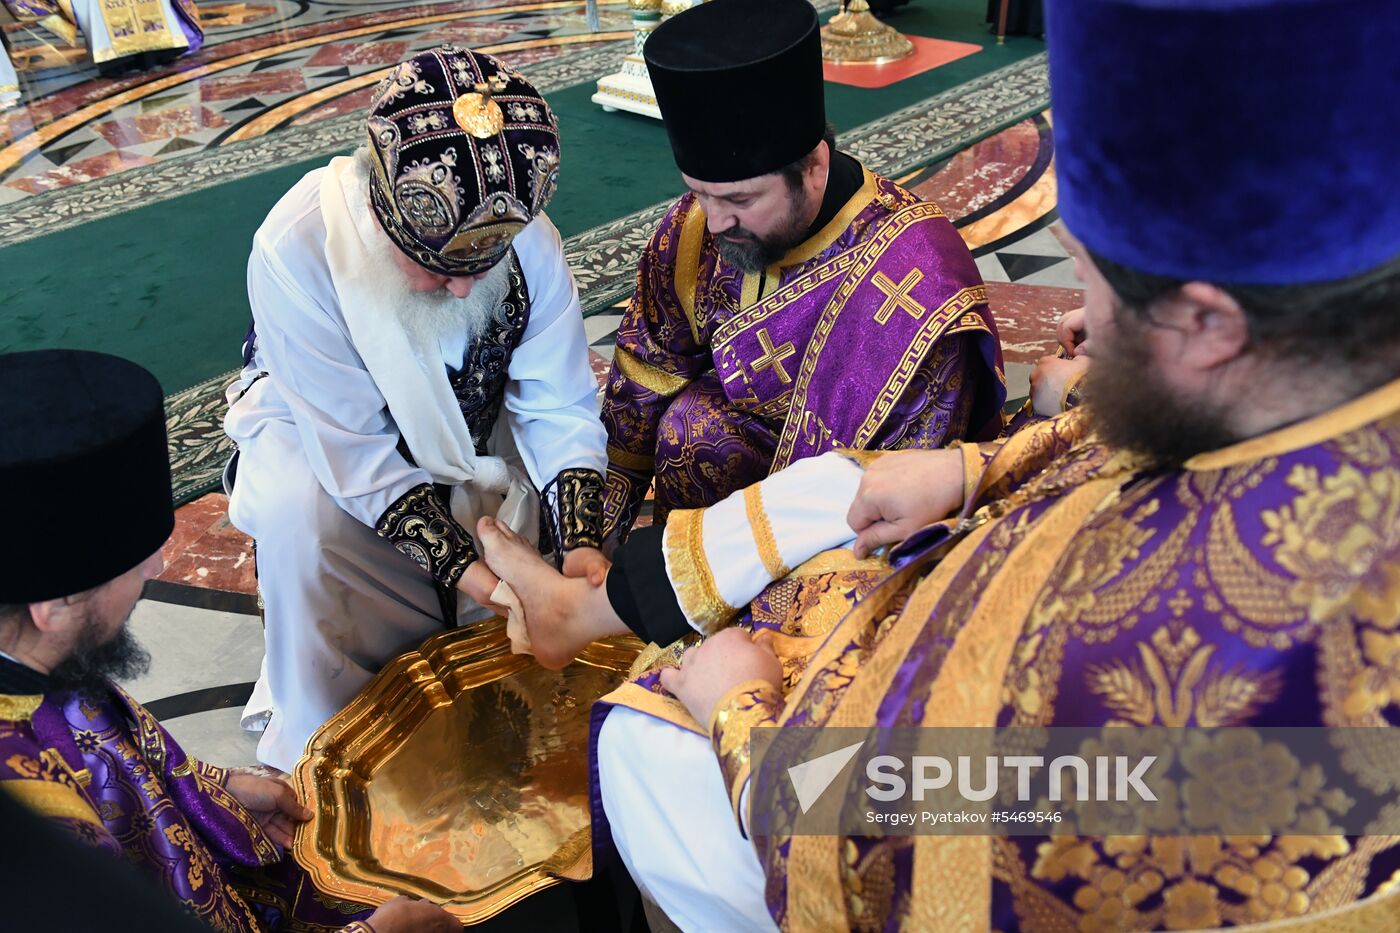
pixel 753 253
pixel 93 665
pixel 1133 407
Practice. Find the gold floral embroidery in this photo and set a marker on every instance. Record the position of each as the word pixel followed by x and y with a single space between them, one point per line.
pixel 1377 684
pixel 420 526
pixel 23 765
pixel 1173 683
pixel 869 883
pixel 1329 536
pixel 1262 874
pixel 749 705
pixel 178 835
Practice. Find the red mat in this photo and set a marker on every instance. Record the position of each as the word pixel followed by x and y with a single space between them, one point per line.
pixel 928 55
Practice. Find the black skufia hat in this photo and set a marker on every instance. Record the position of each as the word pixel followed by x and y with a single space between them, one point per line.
pixel 73 421
pixel 739 84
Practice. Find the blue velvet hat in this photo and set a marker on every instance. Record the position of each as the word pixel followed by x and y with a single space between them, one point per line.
pixel 1233 141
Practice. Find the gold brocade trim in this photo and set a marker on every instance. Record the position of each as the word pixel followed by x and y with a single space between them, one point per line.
pixel 763 537
pixel 659 705
pixel 647 375
pixel 1029 445
pixel 972 469
pixel 630 461
pixel 813 246
pixel 838 560
pixel 1361 411
pixel 748 705
pixel 689 570
pixel 688 264
pixel 52 799
pixel 19 707
pixel 819 857
pixel 967 692
pixel 815 902
pixel 755 314
pixel 930 330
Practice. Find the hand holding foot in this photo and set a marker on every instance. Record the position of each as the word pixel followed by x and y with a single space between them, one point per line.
pixel 562 615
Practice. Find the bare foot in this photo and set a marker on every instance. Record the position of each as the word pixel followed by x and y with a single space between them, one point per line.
pixel 562 615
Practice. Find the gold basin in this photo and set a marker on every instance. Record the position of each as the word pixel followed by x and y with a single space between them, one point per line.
pixel 459 775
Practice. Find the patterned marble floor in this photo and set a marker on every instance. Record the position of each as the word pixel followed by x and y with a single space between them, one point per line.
pixel 267 67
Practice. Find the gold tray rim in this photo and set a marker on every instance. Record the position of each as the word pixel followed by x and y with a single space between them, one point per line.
pixel 482 643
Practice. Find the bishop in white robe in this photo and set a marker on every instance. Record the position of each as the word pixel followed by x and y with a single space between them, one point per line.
pixel 417 361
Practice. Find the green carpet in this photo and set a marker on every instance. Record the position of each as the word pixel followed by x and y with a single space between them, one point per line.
pixel 164 284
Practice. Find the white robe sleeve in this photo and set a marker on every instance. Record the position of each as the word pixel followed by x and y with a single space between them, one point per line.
pixel 341 417
pixel 552 397
pixel 719 558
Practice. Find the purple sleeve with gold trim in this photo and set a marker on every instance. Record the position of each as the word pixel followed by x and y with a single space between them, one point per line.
pixel 658 353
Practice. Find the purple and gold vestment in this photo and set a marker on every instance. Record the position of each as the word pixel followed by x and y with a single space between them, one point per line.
pixel 1259 585
pixel 872 334
pixel 109 772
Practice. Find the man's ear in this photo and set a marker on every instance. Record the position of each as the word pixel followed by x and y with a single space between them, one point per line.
pixel 821 165
pixel 1211 326
pixel 52 615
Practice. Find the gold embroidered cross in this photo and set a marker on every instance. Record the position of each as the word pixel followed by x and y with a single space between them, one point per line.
pixel 492 85
pixel 773 357
pixel 897 297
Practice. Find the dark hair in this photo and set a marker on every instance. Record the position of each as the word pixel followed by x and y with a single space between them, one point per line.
pixel 13 614
pixel 792 173
pixel 1353 321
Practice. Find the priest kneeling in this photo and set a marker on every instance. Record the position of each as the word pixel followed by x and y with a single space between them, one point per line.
pixel 73 746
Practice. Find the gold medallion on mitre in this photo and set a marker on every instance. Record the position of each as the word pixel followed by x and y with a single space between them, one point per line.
pixel 478 114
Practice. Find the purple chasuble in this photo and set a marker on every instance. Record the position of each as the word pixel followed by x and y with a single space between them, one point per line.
pixel 873 334
pixel 108 771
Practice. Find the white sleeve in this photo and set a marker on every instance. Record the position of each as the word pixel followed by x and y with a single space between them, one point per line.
pixel 340 415
pixel 718 559
pixel 552 397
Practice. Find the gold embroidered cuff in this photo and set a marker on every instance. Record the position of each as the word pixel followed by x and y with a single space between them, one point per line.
pixel 622 499
pixel 578 499
pixel 420 525
pixel 751 704
pixel 689 570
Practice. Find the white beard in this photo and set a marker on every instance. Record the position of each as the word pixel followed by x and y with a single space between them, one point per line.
pixel 453 323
